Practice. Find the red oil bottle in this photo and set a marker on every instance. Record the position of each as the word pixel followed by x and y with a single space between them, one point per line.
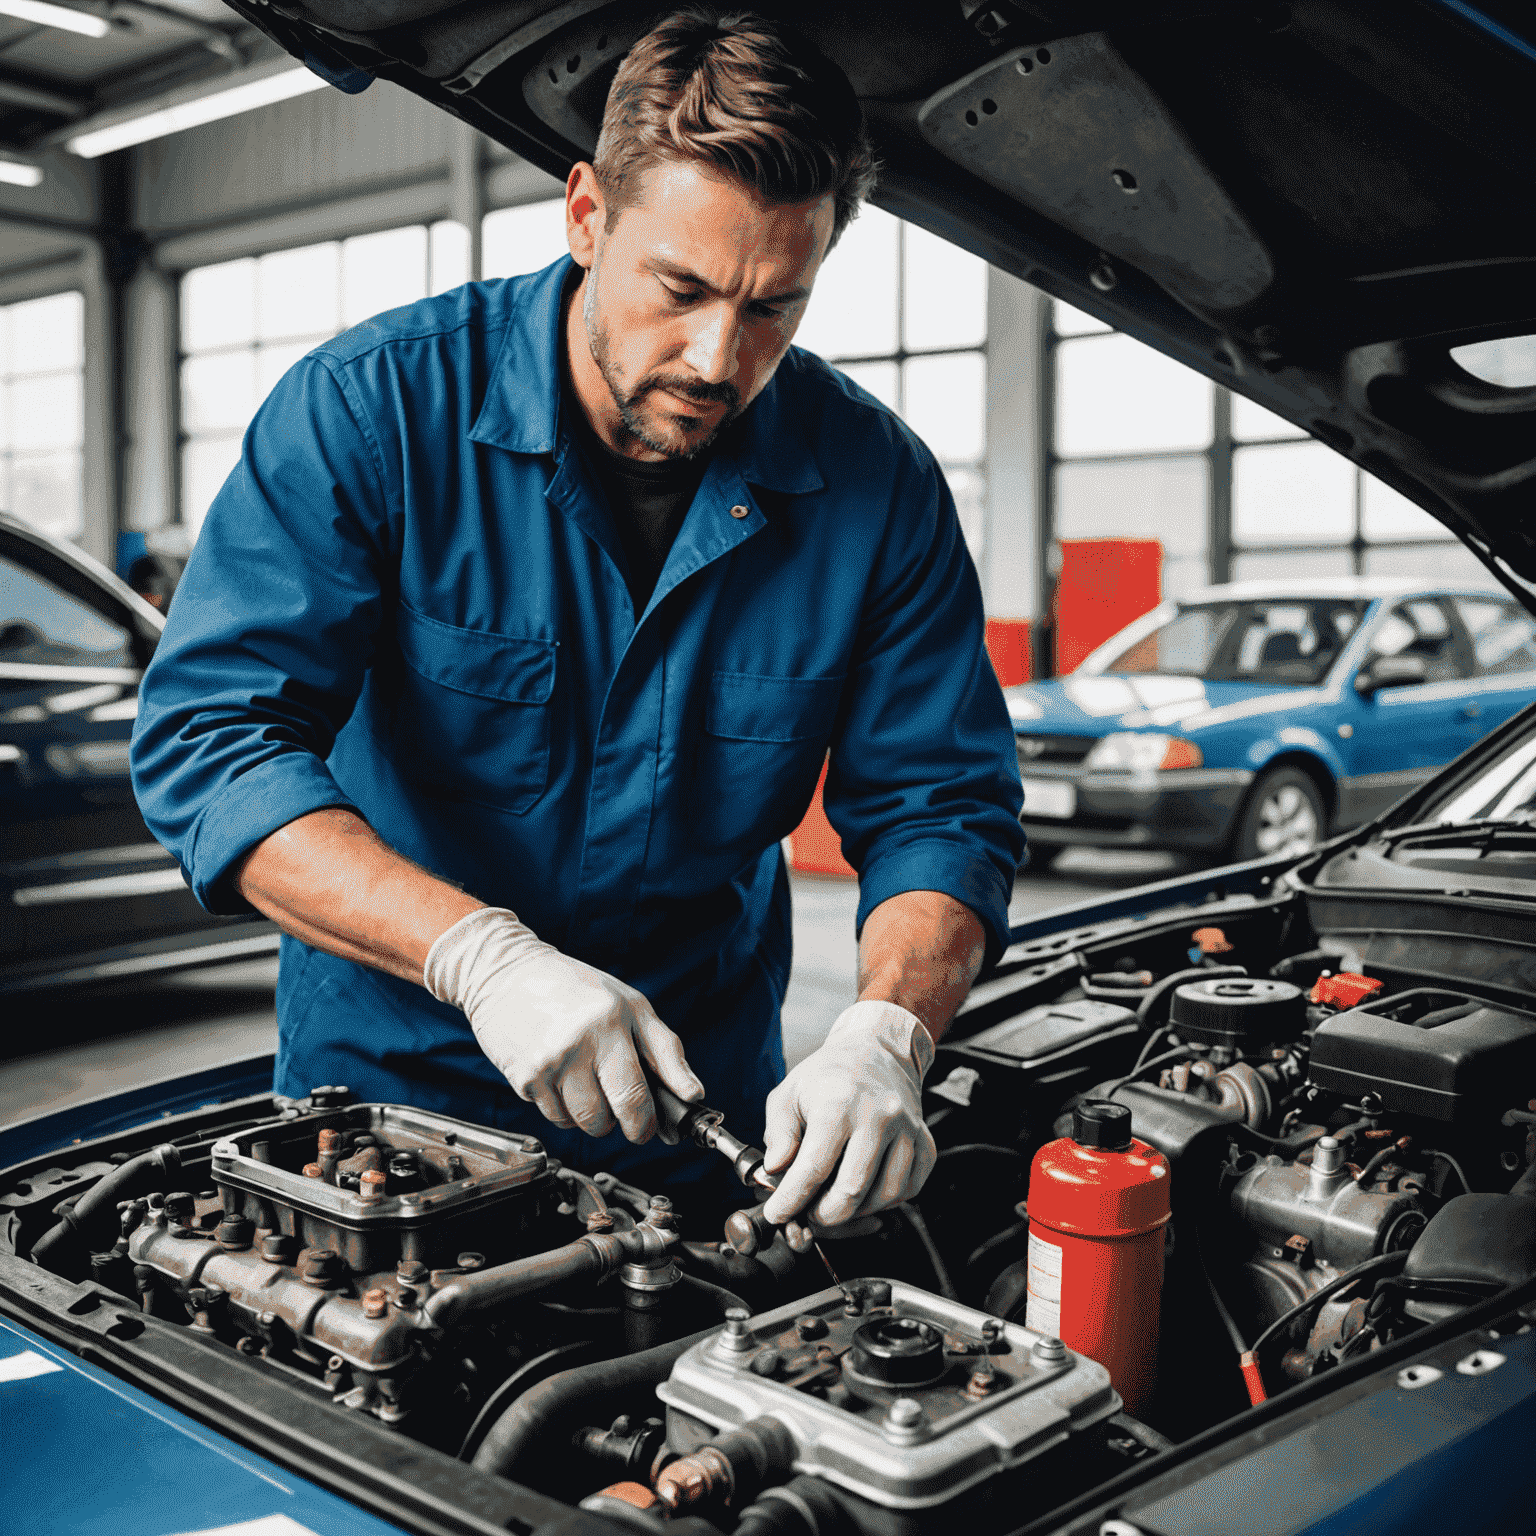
pixel 1098 1203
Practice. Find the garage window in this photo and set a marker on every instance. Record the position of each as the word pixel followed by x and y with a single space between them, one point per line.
pixel 1143 447
pixel 41 412
pixel 245 323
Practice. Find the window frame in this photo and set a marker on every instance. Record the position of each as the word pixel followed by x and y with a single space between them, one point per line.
pixel 1222 550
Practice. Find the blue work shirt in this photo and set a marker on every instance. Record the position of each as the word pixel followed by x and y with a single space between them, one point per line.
pixel 409 599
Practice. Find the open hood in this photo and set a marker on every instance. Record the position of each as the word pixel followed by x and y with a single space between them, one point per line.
pixel 1311 203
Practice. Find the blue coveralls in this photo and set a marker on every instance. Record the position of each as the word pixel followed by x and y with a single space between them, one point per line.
pixel 409 599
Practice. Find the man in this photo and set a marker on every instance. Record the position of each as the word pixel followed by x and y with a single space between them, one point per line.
pixel 515 643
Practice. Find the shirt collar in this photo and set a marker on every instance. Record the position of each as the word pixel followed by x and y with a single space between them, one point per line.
pixel 522 399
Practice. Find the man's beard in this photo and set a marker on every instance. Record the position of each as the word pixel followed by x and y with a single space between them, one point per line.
pixel 629 401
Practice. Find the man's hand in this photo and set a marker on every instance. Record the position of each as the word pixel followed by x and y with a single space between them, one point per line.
pixel 569 1038
pixel 854 1106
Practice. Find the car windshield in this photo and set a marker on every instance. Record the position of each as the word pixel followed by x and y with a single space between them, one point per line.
pixel 1281 641
pixel 1504 791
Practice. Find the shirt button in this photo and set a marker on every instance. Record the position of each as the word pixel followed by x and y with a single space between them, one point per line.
pixel 740 512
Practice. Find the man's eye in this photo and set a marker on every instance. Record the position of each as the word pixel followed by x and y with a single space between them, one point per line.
pixel 769 311
pixel 681 295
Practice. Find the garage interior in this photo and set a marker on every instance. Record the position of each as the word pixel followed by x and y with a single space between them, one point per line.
pixel 161 264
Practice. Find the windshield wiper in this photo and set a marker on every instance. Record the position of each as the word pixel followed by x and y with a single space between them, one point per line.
pixel 1485 830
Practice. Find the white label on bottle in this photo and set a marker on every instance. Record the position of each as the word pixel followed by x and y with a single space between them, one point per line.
pixel 1043 1314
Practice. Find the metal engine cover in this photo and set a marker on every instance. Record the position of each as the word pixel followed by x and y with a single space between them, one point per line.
pixel 803 1365
pixel 471 1182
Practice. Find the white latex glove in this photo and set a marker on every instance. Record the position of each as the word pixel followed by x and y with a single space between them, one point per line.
pixel 858 1099
pixel 568 1037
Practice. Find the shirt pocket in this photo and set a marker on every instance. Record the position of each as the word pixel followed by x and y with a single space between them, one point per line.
pixel 474 715
pixel 764 741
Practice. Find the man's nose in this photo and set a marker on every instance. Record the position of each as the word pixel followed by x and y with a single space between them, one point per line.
pixel 712 345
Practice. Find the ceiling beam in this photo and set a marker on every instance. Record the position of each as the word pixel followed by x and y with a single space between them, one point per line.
pixel 17 93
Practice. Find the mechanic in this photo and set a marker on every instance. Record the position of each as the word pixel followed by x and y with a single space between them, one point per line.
pixel 516 641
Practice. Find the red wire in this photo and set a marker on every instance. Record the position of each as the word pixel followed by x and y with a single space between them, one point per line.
pixel 1252 1378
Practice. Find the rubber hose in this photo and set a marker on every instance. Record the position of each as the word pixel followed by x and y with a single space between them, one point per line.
pixel 718 1294
pixel 1160 989
pixel 93 1225
pixel 567 1400
pixel 804 1506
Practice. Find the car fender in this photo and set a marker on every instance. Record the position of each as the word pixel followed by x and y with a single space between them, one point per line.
pixel 1302 745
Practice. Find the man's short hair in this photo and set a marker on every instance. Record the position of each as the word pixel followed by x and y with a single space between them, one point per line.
pixel 741 93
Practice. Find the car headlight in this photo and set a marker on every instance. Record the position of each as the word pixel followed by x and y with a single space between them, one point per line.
pixel 1143 751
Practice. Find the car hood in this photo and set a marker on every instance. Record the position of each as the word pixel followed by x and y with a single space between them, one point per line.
pixel 1311 203
pixel 1083 705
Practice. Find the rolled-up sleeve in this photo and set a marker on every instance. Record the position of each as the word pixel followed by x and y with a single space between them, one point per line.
pixel 923 785
pixel 270 635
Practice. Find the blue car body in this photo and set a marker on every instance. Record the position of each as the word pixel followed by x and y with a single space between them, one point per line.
pixel 1363 751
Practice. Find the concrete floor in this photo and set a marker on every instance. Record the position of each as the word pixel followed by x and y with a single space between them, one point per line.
pixel 66 1048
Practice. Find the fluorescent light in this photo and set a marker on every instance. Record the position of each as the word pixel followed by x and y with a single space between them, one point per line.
pixel 154 120
pixel 85 23
pixel 17 174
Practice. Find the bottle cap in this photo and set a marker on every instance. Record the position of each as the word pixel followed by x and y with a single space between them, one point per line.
pixel 1102 1123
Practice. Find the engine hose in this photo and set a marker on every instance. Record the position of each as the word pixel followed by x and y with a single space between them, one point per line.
pixel 804 1506
pixel 914 1219
pixel 92 1225
pixel 1160 989
pixel 722 1298
pixel 1178 1053
pixel 966 1148
pixel 548 1413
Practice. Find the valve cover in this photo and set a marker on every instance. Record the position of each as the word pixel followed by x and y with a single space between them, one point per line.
pixel 883 1400
pixel 442 1180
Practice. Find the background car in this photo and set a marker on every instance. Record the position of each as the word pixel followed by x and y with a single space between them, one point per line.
pixel 1254 718
pixel 86 893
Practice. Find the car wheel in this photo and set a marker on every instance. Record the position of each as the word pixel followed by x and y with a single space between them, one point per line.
pixel 1284 815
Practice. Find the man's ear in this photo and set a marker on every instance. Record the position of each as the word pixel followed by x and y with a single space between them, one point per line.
pixel 583 213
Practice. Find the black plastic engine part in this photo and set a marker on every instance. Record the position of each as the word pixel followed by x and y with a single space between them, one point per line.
pixel 1485 1239
pixel 1101 1123
pixel 1042 1036
pixel 1237 1011
pixel 1440 1055
pixel 898 1352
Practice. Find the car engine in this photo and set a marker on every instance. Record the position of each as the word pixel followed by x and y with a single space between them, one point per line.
pixel 1345 1144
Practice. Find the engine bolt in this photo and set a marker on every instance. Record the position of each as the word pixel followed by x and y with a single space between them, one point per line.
pixel 405 1298
pixel 1048 1351
pixel 371 1185
pixel 981 1383
pixel 322 1267
pixel 246 1345
pixel 600 1221
pixel 809 1327
pixel 410 1271
pixel 905 1413
pixel 879 1293
pixel 234 1233
pixel 178 1206
pixel 274 1248
pixel 469 1262
pixel 375 1302
pixel 313 1171
pixel 328 1141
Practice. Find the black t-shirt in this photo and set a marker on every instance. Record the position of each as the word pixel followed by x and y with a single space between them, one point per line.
pixel 649 502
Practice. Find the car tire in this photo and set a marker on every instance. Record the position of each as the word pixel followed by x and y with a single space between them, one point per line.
pixel 1284 814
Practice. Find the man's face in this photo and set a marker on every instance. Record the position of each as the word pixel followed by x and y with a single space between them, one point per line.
pixel 688 303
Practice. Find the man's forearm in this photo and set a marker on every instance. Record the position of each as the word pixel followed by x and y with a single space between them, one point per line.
pixel 331 880
pixel 921 950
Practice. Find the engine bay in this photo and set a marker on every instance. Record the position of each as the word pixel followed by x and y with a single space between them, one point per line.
pixel 1332 1152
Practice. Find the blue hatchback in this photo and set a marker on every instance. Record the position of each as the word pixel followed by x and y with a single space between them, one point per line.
pixel 1257 718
